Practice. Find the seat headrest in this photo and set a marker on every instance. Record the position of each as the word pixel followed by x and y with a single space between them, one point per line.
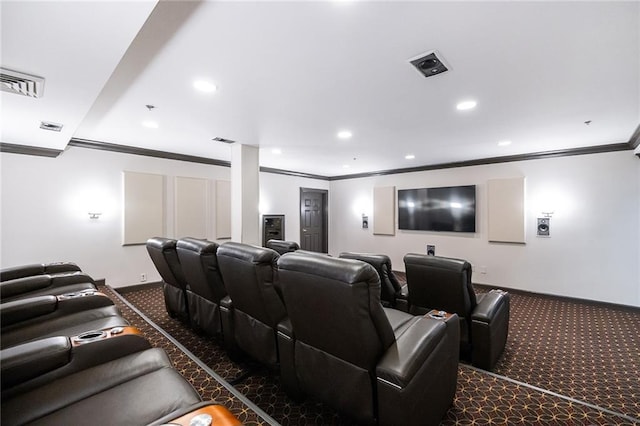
pixel 446 263
pixel 197 245
pixel 377 260
pixel 282 246
pixel 345 270
pixel 248 253
pixel 161 243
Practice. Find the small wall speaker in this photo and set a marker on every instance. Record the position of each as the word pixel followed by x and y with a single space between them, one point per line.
pixel 431 250
pixel 543 227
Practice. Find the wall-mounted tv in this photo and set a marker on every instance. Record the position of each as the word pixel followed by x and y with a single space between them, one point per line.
pixel 448 209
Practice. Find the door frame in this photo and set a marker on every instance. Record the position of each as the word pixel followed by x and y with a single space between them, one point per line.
pixel 325 215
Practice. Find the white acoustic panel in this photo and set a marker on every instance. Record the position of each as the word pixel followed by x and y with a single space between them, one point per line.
pixel 506 210
pixel 191 207
pixel 384 210
pixel 223 209
pixel 144 206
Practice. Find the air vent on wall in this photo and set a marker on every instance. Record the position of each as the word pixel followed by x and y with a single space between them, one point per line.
pixel 429 64
pixel 223 140
pixel 21 83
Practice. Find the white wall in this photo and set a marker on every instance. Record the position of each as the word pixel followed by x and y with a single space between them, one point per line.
pixel 280 194
pixel 45 203
pixel 594 246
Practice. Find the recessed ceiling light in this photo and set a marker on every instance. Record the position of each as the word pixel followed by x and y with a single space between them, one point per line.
pixel 276 151
pixel 344 134
pixel 409 156
pixel 204 86
pixel 465 105
pixel 150 124
pixel 504 143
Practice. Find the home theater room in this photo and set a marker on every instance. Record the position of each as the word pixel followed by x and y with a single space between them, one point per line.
pixel 337 212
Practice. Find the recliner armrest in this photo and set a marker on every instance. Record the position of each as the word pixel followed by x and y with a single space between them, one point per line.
pixel 23 285
pixel 402 299
pixel 25 309
pixel 66 278
pixel 29 360
pixel 410 350
pixel 489 305
pixel 226 302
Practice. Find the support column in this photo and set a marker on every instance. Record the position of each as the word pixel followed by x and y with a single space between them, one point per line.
pixel 245 194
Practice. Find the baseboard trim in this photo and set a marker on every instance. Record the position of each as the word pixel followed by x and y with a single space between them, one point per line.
pixel 137 287
pixel 598 303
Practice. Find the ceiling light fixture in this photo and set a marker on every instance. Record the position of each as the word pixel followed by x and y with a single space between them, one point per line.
pixel 409 156
pixel 504 143
pixel 276 151
pixel 466 105
pixel 150 124
pixel 344 134
pixel 205 86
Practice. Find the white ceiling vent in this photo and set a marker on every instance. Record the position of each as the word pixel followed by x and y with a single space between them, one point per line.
pixel 21 84
pixel 223 140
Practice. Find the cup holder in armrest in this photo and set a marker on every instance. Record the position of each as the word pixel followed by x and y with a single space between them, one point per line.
pixel 439 315
pixel 89 336
pixel 77 294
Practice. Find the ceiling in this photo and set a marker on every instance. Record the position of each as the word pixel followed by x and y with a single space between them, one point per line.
pixel 291 75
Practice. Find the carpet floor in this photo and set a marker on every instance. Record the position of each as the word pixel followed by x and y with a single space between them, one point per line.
pixel 566 362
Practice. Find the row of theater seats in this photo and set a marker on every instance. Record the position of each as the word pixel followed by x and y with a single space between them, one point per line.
pixel 319 320
pixel 440 283
pixel 69 357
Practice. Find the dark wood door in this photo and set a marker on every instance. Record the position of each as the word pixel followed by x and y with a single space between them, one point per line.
pixel 313 220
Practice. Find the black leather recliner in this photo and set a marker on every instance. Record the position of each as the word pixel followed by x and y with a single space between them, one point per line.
pixel 445 284
pixel 165 258
pixel 253 309
pixel 205 287
pixel 136 389
pixel 393 294
pixel 345 349
pixel 45 284
pixel 282 246
pixel 45 316
pixel 22 271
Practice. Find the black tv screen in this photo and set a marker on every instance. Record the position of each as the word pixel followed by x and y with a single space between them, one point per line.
pixel 449 209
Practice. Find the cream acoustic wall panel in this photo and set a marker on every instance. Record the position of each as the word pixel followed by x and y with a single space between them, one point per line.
pixel 223 209
pixel 144 206
pixel 384 210
pixel 191 207
pixel 506 210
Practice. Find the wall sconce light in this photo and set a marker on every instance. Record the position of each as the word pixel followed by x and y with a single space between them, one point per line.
pixel 94 215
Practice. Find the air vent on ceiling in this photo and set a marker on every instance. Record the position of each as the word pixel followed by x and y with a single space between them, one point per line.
pixel 223 140
pixel 429 64
pixel 21 83
pixel 47 125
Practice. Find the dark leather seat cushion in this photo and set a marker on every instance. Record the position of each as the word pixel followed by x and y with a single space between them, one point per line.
pixel 134 390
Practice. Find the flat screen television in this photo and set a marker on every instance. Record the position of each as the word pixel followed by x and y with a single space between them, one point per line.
pixel 448 209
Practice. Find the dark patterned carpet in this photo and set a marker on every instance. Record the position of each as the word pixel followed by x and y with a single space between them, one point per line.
pixel 582 360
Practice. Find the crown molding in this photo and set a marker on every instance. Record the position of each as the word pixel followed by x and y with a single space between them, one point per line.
pixel 125 149
pixel 598 149
pixel 29 150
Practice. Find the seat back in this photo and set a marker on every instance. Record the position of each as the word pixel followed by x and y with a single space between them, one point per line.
pixel 282 246
pixel 340 329
pixel 389 285
pixel 439 283
pixel 204 284
pixel 249 274
pixel 165 258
